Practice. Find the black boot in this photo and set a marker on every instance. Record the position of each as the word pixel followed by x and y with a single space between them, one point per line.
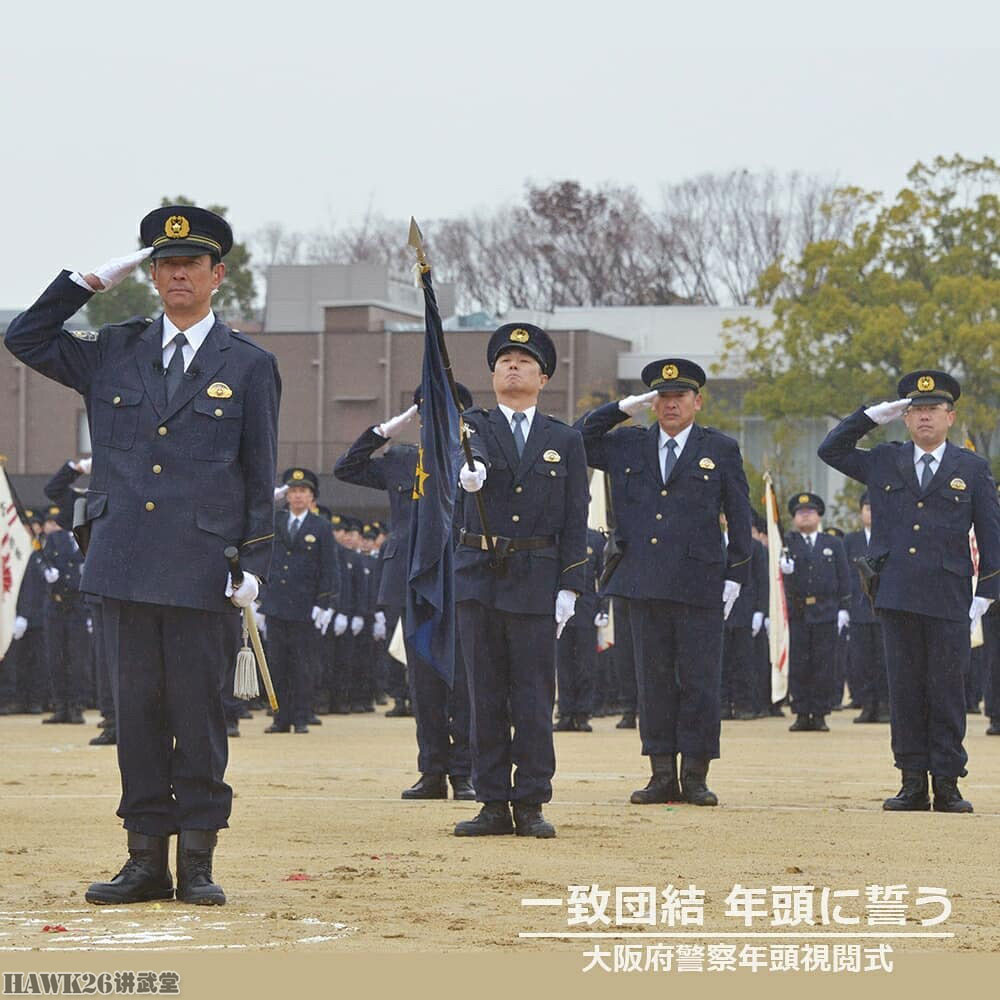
pixel 493 820
pixel 627 721
pixel 529 821
pixel 912 797
pixel 883 714
pixel 564 724
pixel 868 714
pixel 74 715
pixel 663 785
pixel 994 727
pixel 398 710
pixel 802 724
pixel 106 738
pixel 429 786
pixel 60 714
pixel 817 723
pixel 947 797
pixel 461 789
pixel 233 728
pixel 194 868
pixel 694 772
pixel 144 877
pixel 582 723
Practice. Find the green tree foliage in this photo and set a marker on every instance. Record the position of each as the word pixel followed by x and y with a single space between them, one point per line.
pixel 135 296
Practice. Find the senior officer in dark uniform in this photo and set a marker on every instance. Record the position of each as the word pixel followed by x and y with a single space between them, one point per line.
pixel 442 715
pixel 299 600
pixel 532 472
pixel 926 494
pixel 183 415
pixel 681 582
pixel 818 592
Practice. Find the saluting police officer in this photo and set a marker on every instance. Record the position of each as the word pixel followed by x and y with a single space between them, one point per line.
pixel 818 593
pixel 183 417
pixel 682 585
pixel 926 494
pixel 299 600
pixel 532 472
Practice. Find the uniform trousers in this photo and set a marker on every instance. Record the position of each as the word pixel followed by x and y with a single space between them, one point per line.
pixel 991 677
pixel 624 655
pixel 167 667
pixel 293 651
pixel 738 669
pixel 512 683
pixel 576 664
pixel 867 651
pixel 811 652
pixel 67 649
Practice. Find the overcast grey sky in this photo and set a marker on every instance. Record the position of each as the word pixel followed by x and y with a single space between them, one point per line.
pixel 305 114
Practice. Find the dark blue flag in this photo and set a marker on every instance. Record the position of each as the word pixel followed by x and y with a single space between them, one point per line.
pixel 430 595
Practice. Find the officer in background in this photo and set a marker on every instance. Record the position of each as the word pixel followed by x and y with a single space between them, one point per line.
pixel 761 650
pixel 183 416
pixel 339 651
pixel 867 678
pixel 818 594
pixel 299 600
pixel 838 675
pixel 532 472
pixel 678 476
pixel 926 494
pixel 27 658
pixel 442 715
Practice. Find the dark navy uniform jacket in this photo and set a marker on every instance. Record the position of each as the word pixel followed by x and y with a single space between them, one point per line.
pixel 820 586
pixel 754 593
pixel 393 471
pixel 62 552
pixel 856 546
pixel 352 592
pixel 303 570
pixel 924 534
pixel 590 602
pixel 171 486
pixel 542 494
pixel 33 593
pixel 672 540
pixel 60 490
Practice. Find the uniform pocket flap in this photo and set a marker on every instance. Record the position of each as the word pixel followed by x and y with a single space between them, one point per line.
pixel 218 409
pixel 216 521
pixel 96 503
pixel 119 395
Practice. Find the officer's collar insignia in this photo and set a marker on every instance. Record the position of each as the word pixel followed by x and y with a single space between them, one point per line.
pixel 298 474
pixel 89 335
pixel 219 390
pixel 706 463
pixel 925 383
pixel 957 484
pixel 310 539
pixel 803 498
pixel 176 227
pixel 520 336
pixel 552 456
pixel 669 371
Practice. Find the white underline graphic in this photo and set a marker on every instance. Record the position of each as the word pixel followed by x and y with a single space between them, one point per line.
pixel 541 902
pixel 734 934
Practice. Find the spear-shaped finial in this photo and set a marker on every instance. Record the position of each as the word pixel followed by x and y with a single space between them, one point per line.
pixel 416 241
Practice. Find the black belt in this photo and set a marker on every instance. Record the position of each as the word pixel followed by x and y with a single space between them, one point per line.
pixel 506 545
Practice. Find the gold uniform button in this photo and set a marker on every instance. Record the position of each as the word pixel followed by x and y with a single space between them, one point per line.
pixel 157 469
pixel 887 488
pixel 916 527
pixel 150 505
pixel 116 400
pixel 161 431
pixel 218 413
pixel 653 541
pixel 663 493
pixel 659 517
pixel 628 470
pixel 552 472
pixel 516 517
pixel 913 552
pixel 518 489
pixel 920 503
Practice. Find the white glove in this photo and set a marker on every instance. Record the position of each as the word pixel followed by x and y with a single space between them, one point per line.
pixel 979 607
pixel 357 624
pixel 636 404
pixel 247 592
pixel 315 613
pixel 279 494
pixel 601 619
pixel 51 574
pixel 565 607
pixel 378 629
pixel 885 413
pixel 767 627
pixel 395 424
pixel 340 624
pixel 118 269
pixel 90 626
pixel 756 623
pixel 843 620
pixel 323 619
pixel 472 480
pixel 786 564
pixel 20 626
pixel 82 465
pixel 730 591
pixel 261 621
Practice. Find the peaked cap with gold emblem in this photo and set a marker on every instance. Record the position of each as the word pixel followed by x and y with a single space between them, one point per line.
pixel 813 500
pixel 525 337
pixel 929 386
pixel 185 231
pixel 673 375
pixel 297 476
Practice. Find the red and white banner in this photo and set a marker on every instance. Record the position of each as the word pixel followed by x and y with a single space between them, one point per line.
pixel 778 608
pixel 15 551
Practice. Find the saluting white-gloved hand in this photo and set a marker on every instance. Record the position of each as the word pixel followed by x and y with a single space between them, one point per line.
pixel 786 564
pixel 636 404
pixel 357 624
pixel 756 623
pixel 20 626
pixel 601 619
pixel 82 465
pixel 51 574
pixel 978 608
pixel 472 479
pixel 565 608
pixel 843 620
pixel 279 494
pixel 323 619
pixel 730 591
pixel 246 593
pixel 395 424
pixel 116 270
pixel 340 624
pixel 378 628
pixel 885 413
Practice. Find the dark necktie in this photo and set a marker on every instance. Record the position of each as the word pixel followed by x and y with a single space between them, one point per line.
pixel 293 528
pixel 175 370
pixel 519 419
pixel 670 459
pixel 925 473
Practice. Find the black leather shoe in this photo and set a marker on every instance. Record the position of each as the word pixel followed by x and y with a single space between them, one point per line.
pixel 60 715
pixel 994 728
pixel 35 709
pixel 245 712
pixel 314 720
pixel 776 712
pixel 398 710
pixel 802 724
pixel 301 728
pixel 462 790
pixel 74 715
pixel 564 724
pixel 194 868
pixel 883 714
pixel 581 723
pixel 274 728
pixel 144 877
pixel 912 797
pixel 106 738
pixel 342 708
pixel 868 714
pixel 744 715
pixel 493 820
pixel 529 821
pixel 429 786
pixel 817 723
pixel 694 773
pixel 663 785
pixel 947 797
pixel 233 729
pixel 627 721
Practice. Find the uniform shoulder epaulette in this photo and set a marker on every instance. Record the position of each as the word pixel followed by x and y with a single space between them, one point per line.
pixel 556 420
pixel 89 335
pixel 247 339
pixel 137 322
pixel 475 411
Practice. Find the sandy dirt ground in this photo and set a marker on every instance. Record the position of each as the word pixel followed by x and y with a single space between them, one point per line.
pixel 324 856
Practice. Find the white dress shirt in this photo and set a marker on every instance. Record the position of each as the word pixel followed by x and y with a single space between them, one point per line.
pixel 810 538
pixel 529 415
pixel 294 523
pixel 681 440
pixel 918 454
pixel 195 338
